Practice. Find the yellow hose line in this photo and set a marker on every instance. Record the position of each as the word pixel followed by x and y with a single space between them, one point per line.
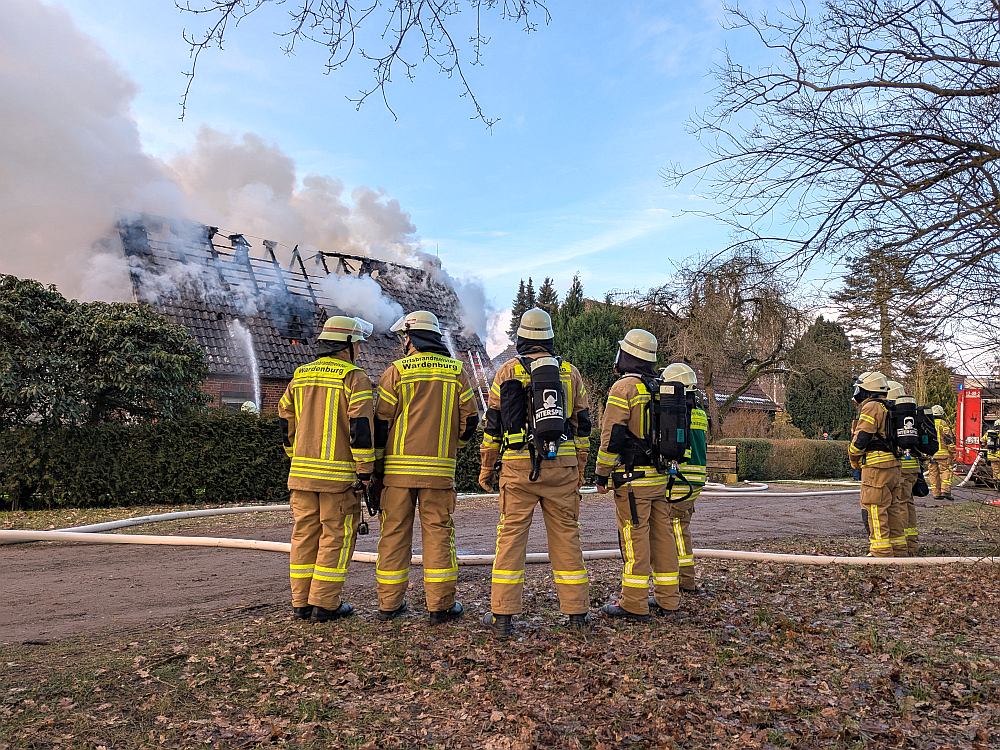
pixel 533 557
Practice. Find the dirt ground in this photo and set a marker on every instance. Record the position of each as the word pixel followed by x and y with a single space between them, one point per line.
pixel 55 591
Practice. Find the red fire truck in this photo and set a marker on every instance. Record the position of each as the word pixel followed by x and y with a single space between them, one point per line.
pixel 978 408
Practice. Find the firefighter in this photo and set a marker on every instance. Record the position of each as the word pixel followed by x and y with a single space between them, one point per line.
pixel 683 496
pixel 991 441
pixel 326 420
pixel 528 479
pixel 426 410
pixel 871 452
pixel 903 511
pixel 645 531
pixel 939 470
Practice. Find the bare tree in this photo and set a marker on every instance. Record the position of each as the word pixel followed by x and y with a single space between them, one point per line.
pixel 873 127
pixel 394 36
pixel 728 318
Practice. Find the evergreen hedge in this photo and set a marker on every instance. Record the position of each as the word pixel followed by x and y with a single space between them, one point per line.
pixel 761 460
pixel 211 457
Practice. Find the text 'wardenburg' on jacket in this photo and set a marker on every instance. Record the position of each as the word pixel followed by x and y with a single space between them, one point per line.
pixel 426 411
pixel 328 410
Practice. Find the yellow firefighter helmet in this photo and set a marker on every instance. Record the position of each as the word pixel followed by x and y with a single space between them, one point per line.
pixel 344 328
pixel 536 324
pixel 640 344
pixel 896 390
pixel 681 373
pixel 873 382
pixel 419 320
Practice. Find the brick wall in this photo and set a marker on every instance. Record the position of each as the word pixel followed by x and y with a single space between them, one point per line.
pixel 233 391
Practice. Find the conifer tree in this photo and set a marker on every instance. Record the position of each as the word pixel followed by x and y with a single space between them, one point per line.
pixel 548 298
pixel 572 305
pixel 517 308
pixel 888 317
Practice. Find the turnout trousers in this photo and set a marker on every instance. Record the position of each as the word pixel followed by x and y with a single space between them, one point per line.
pixel 324 530
pixel 680 518
pixel 939 475
pixel 899 514
pixel 648 546
pixel 879 492
pixel 400 506
pixel 907 482
pixel 556 491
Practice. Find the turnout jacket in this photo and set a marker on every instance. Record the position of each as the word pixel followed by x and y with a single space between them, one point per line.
pixel 695 466
pixel 326 414
pixel 628 405
pixel 426 411
pixel 945 438
pixel 869 446
pixel 991 442
pixel 573 452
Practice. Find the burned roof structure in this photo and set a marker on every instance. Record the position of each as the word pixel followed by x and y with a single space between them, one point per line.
pixel 208 281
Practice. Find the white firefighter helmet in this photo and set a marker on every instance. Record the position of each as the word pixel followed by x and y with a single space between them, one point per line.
pixel 419 320
pixel 536 324
pixel 873 382
pixel 937 410
pixel 996 425
pixel 249 407
pixel 681 373
pixel 344 328
pixel 640 344
pixel 896 390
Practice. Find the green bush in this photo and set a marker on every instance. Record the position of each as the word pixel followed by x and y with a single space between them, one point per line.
pixel 211 457
pixel 763 460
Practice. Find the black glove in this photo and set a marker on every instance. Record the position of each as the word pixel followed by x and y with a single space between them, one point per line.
pixel 601 483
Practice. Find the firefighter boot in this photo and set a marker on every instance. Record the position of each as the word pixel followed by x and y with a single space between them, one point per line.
pixel 501 625
pixel 302 613
pixel 616 612
pixel 391 614
pixel 455 612
pixel 326 615
pixel 657 610
pixel 579 622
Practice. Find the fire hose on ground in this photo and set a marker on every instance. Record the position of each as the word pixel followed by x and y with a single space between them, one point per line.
pixel 90 534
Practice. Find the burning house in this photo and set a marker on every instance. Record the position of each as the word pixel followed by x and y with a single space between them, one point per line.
pixel 257 319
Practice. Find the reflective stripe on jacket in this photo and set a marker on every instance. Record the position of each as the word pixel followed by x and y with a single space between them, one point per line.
pixel 426 398
pixel 628 404
pixel 319 404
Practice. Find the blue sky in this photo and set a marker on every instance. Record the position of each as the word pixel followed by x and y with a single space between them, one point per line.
pixel 593 106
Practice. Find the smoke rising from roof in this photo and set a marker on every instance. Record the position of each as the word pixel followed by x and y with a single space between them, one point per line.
pixel 72 161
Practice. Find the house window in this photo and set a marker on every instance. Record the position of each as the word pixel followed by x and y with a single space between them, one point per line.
pixel 234 400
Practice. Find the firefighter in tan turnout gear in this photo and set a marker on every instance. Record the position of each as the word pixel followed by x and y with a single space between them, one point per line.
pixel 871 452
pixel 538 426
pixel 939 471
pixel 626 457
pixel 903 511
pixel 326 418
pixel 694 468
pixel 426 411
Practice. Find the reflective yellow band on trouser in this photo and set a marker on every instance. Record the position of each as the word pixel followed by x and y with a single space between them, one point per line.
pixel 874 458
pixel 330 574
pixel 910 532
pixel 635 582
pixel 440 575
pixel 684 557
pixel 898 540
pixel 508 576
pixel 392 577
pixel 666 579
pixel 570 577
pixel 301 571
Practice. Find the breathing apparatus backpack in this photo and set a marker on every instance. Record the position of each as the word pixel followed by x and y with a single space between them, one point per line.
pixel 534 414
pixel 904 429
pixel 928 431
pixel 672 421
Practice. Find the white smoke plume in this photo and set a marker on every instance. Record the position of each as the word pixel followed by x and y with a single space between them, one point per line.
pixel 361 295
pixel 497 338
pixel 71 162
pixel 70 154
